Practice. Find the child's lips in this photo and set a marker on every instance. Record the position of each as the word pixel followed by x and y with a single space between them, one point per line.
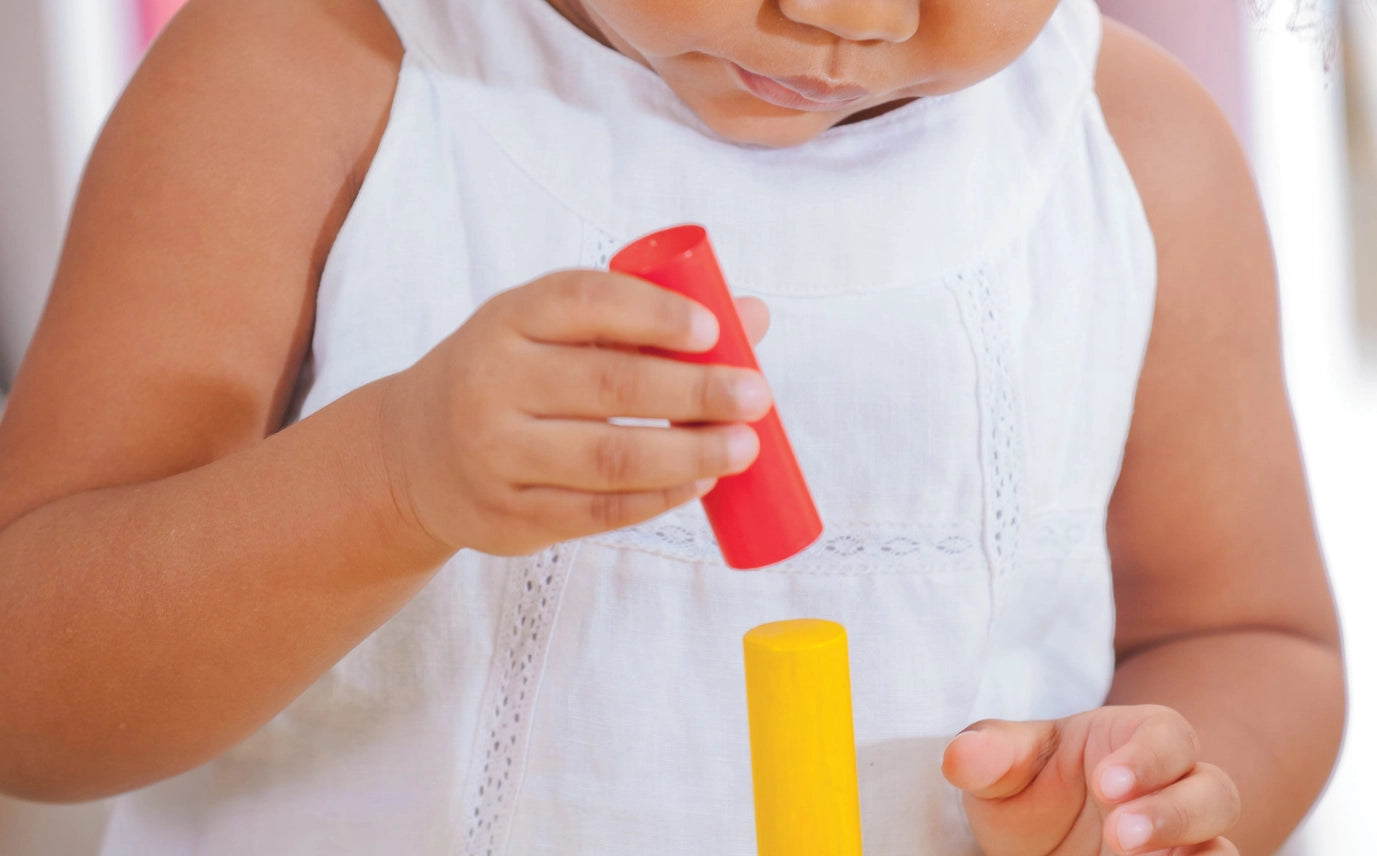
pixel 800 93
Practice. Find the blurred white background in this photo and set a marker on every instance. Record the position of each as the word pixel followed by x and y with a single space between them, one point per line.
pixel 1305 105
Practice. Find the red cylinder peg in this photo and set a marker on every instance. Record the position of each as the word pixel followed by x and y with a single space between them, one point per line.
pixel 765 514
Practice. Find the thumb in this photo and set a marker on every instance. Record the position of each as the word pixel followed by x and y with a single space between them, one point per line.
pixel 995 759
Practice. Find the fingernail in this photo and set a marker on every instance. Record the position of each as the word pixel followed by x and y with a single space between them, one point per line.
pixel 1117 782
pixel 1134 831
pixel 742 446
pixel 703 329
pixel 750 393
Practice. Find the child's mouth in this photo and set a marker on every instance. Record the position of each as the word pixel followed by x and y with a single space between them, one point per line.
pixel 799 93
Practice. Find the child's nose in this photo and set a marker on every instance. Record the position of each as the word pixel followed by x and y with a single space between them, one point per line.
pixel 857 20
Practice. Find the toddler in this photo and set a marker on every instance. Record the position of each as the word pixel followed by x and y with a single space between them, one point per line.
pixel 321 533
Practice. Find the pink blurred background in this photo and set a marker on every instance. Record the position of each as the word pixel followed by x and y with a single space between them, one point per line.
pixel 153 14
pixel 1206 35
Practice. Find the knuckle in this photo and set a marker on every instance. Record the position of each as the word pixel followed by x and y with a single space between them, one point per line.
pixel 501 304
pixel 674 314
pixel 614 459
pixel 1176 729
pixel 504 315
pixel 607 511
pixel 1173 820
pixel 1231 807
pixel 488 449
pixel 578 291
pixel 704 390
pixel 1156 760
pixel 677 496
pixel 713 457
pixel 484 377
pixel 618 386
pixel 1161 713
pixel 1191 736
pixel 503 503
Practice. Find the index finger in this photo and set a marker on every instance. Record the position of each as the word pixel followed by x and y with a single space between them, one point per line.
pixel 588 306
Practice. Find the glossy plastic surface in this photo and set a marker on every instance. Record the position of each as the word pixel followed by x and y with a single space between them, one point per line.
pixel 765 514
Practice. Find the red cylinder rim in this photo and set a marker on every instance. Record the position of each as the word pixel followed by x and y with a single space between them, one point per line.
pixel 659 248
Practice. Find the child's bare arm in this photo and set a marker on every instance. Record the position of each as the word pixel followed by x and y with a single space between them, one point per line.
pixel 1224 611
pixel 180 312
pixel 171 578
pixel 1228 701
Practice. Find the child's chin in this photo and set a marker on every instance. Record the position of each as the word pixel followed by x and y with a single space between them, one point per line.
pixel 791 128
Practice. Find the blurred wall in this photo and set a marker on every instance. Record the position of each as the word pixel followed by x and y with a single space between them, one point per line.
pixel 30 222
pixel 49 111
pixel 62 64
pixel 1207 35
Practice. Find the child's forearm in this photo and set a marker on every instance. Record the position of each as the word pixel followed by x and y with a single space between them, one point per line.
pixel 149 627
pixel 1268 707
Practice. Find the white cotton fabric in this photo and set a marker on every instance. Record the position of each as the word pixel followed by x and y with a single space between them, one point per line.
pixel 961 294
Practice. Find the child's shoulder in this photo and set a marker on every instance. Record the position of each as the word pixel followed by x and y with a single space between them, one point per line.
pixel 205 211
pixel 1175 139
pixel 1213 251
pixel 332 57
pixel 318 72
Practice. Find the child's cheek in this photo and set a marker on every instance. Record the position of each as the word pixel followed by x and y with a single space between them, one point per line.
pixel 666 28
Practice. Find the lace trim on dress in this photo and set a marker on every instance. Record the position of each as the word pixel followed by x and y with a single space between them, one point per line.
pixel 599 247
pixel 986 317
pixel 509 699
pixel 1064 534
pixel 845 548
pixel 1060 534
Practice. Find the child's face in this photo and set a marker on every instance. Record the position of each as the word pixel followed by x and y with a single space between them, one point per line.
pixel 779 72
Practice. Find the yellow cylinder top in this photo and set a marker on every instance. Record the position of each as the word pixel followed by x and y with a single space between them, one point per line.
pixel 803 745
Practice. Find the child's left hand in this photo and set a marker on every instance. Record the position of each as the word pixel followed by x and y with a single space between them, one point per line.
pixel 1116 780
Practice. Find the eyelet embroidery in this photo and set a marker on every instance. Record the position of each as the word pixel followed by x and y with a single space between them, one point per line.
pixel 678 535
pixel 599 248
pixel 1001 439
pixel 510 699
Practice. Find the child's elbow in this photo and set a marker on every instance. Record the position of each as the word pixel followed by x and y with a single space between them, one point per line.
pixel 48 788
pixel 34 770
pixel 1338 702
pixel 37 790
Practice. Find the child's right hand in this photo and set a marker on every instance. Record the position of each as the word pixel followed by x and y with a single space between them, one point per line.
pixel 498 439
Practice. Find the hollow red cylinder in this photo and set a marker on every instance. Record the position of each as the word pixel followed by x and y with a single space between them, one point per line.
pixel 764 514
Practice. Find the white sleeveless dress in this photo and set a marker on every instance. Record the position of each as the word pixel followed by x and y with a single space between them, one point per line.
pixel 961 294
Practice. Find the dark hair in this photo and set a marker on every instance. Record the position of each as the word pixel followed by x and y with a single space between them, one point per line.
pixel 1314 20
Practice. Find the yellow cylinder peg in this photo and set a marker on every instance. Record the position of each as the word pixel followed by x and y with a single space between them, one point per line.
pixel 803 744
